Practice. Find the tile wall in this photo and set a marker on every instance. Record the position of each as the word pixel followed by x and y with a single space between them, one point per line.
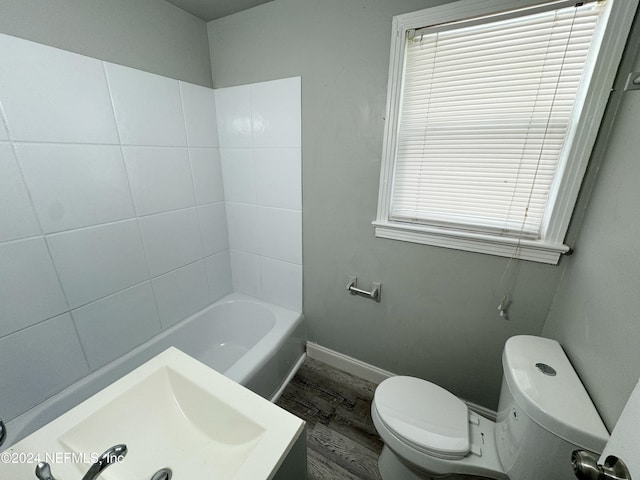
pixel 121 214
pixel 112 215
pixel 259 129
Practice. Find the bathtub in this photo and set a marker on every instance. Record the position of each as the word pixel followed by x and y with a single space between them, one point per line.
pixel 257 344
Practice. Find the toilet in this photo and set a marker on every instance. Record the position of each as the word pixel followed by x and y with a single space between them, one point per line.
pixel 544 413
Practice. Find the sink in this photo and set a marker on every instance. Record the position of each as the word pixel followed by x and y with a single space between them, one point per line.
pixel 177 424
pixel 173 412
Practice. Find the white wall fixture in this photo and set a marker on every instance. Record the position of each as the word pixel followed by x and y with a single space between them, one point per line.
pixel 141 117
pixel 207 175
pixel 17 218
pixel 75 186
pixel 133 320
pixel 181 292
pixel 49 95
pixel 160 178
pixel 112 214
pixel 114 210
pixel 26 264
pixel 97 261
pixel 171 240
pixel 259 129
pixel 59 362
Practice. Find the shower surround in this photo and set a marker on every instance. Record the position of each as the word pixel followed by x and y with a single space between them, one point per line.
pixel 113 226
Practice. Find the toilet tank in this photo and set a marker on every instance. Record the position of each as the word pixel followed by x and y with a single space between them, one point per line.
pixel 544 412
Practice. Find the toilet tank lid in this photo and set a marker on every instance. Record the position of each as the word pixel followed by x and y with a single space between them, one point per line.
pixel 554 398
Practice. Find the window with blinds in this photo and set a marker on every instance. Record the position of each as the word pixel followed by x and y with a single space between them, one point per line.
pixel 484 119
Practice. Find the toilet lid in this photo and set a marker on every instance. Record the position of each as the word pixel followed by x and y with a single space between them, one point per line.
pixel 424 415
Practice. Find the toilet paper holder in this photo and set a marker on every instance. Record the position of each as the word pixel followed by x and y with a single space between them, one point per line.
pixel 374 294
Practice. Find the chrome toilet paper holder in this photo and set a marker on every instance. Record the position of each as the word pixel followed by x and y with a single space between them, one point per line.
pixel 374 294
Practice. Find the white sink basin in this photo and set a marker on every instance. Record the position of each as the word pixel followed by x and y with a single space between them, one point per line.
pixel 171 412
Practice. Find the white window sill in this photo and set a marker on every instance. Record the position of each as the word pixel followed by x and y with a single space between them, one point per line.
pixel 533 250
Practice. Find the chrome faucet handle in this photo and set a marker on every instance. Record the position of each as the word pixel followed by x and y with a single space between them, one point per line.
pixel 162 474
pixel 3 432
pixel 111 456
pixel 43 471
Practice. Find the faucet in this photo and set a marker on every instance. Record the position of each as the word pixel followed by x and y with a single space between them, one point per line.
pixel 3 432
pixel 43 471
pixel 114 454
pixel 162 474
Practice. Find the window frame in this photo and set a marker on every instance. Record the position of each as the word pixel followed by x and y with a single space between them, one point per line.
pixel 562 198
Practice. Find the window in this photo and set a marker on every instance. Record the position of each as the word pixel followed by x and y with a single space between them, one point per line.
pixel 492 112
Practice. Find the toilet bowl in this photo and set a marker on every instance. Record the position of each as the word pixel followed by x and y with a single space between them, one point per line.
pixel 544 414
pixel 431 430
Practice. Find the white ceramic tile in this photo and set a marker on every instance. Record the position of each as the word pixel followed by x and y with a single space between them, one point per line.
pixel 281 283
pixel 97 261
pixel 160 178
pixel 17 219
pixel 29 289
pixel 207 175
pixel 213 225
pixel 243 223
pixel 199 107
pixel 280 234
pixel 245 273
pixel 147 106
pixel 181 293
pixel 75 185
pixel 219 275
pixel 238 174
pixel 117 324
pixel 278 177
pixel 171 240
pixel 276 113
pixel 233 112
pixel 3 129
pixel 50 95
pixel 38 362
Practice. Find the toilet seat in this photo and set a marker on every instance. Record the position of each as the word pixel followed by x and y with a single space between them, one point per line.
pixel 425 416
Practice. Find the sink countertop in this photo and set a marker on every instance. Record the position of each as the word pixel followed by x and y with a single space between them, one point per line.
pixel 172 411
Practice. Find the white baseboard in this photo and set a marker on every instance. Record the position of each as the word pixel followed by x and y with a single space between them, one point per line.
pixel 347 364
pixel 368 372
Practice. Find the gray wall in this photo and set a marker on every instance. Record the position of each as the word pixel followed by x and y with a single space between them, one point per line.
pixel 438 317
pixel 150 35
pixel 595 312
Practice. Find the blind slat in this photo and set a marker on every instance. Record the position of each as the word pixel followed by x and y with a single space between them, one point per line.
pixel 483 118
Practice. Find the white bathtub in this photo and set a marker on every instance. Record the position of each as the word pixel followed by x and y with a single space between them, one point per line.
pixel 255 343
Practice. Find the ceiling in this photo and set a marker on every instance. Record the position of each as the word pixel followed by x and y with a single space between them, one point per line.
pixel 208 10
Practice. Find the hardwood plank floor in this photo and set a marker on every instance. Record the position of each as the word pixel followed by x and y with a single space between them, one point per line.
pixel 342 443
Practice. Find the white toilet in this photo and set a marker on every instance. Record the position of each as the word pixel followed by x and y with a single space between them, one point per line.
pixel 544 413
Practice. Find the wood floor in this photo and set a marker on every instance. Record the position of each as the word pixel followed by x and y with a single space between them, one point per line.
pixel 342 443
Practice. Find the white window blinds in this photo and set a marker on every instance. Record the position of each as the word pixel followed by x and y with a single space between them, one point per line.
pixel 484 113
